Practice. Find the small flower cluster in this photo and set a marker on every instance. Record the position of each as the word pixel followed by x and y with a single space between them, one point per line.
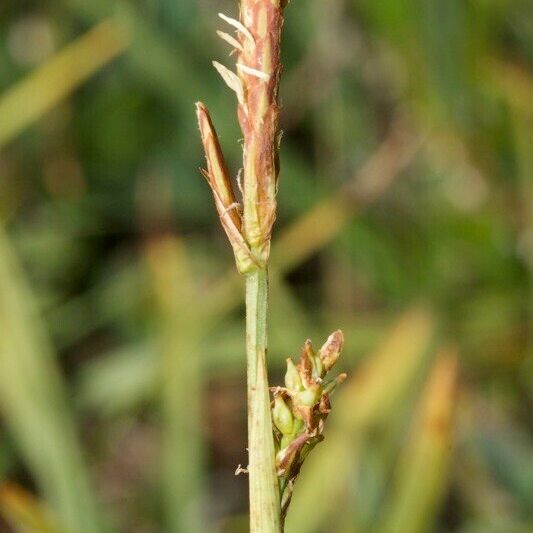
pixel 301 407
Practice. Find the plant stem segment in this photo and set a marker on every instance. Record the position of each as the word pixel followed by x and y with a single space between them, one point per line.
pixel 263 481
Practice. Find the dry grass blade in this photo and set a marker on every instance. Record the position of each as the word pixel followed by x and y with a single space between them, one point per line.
pixel 423 471
pixel 32 97
pixel 23 512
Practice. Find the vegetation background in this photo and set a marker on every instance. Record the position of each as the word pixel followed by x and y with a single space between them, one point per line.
pixel 405 219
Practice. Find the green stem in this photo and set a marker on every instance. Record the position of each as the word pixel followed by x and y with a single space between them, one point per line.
pixel 263 481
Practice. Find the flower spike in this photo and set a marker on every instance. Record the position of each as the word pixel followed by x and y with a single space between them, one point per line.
pixel 301 408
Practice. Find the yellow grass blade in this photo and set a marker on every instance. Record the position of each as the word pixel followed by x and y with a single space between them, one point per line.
pixel 25 513
pixel 32 97
pixel 423 470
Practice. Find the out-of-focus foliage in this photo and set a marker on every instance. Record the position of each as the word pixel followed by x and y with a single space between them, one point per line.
pixel 405 219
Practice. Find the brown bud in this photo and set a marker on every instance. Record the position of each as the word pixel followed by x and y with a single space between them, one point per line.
pixel 331 350
pixel 306 414
pixel 287 456
pixel 306 364
pixel 218 178
pixel 325 405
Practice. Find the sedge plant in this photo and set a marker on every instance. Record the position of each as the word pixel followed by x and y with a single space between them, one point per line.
pixel 282 431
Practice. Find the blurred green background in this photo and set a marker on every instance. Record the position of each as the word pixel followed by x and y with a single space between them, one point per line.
pixel 405 218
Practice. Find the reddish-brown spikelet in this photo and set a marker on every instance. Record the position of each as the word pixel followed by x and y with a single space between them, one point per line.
pixel 259 68
pixel 218 178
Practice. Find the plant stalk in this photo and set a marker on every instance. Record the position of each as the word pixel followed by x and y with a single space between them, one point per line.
pixel 263 481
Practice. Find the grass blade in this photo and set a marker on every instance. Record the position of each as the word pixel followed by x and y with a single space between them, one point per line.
pixel 179 332
pixel 23 512
pixel 32 97
pixel 423 471
pixel 34 406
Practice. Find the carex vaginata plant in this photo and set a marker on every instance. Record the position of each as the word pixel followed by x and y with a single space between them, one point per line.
pixel 280 433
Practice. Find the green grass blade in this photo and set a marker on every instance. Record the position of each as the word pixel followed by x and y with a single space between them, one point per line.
pixel 179 332
pixel 33 403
